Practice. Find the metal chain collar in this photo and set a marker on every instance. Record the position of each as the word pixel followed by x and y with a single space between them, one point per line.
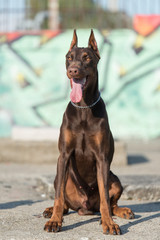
pixel 90 106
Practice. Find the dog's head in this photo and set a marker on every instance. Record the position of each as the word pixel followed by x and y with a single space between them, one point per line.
pixel 81 64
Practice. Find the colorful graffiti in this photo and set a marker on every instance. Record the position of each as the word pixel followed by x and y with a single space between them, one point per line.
pixel 34 89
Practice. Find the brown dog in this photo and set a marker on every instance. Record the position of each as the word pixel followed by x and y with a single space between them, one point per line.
pixel 84 181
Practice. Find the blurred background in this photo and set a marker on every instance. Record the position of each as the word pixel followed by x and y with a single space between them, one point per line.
pixel 35 35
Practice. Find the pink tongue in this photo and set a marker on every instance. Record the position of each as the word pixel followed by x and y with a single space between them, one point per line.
pixel 76 93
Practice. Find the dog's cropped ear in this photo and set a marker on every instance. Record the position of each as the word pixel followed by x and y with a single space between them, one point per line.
pixel 74 41
pixel 93 44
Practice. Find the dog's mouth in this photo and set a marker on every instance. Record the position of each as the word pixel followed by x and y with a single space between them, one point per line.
pixel 77 88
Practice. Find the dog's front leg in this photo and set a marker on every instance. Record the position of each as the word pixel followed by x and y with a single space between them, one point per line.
pixel 108 224
pixel 55 223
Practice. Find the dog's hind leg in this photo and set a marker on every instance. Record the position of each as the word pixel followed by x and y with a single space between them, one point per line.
pixel 48 211
pixel 115 191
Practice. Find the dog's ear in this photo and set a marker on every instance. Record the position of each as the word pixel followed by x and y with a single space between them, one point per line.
pixel 93 44
pixel 74 41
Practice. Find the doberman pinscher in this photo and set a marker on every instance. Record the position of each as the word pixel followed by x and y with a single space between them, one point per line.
pixel 84 181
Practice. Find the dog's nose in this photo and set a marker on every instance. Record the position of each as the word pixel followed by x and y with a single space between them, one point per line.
pixel 73 71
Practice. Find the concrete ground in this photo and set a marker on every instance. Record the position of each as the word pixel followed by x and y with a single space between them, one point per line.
pixel 23 199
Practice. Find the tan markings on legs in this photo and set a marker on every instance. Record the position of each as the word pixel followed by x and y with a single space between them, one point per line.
pixel 104 207
pixel 74 197
pixel 123 212
pixel 58 210
pixel 107 223
pixel 66 208
pixel 55 223
pixel 49 211
pixel 115 193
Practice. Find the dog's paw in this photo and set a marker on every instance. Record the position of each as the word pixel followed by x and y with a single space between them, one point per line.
pixel 112 229
pixel 52 226
pixel 48 212
pixel 123 212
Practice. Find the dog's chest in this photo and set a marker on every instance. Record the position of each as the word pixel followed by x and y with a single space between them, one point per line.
pixel 85 162
pixel 86 145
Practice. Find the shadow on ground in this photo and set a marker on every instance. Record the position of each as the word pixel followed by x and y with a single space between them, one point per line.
pixel 137 208
pixel 125 227
pixel 136 159
pixel 78 224
pixel 145 207
pixel 10 205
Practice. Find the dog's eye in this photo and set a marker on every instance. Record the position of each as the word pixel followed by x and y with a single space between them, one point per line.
pixel 87 59
pixel 69 58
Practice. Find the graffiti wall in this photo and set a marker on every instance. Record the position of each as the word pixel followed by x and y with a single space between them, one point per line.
pixel 34 89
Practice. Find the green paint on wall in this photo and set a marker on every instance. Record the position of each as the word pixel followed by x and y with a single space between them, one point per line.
pixel 34 89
